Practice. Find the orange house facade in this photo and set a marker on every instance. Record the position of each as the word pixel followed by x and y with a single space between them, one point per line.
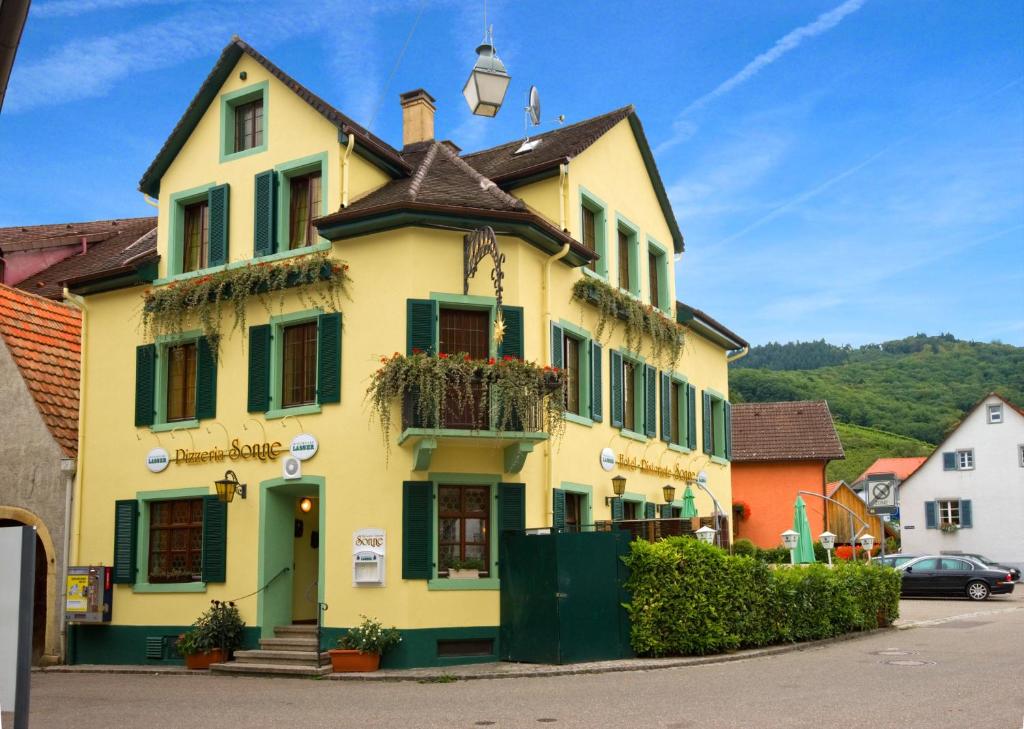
pixel 780 449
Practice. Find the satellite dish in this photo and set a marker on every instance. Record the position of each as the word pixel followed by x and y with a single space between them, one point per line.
pixel 534 107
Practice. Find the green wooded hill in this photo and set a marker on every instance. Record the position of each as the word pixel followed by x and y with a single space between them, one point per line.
pixel 918 387
pixel 864 445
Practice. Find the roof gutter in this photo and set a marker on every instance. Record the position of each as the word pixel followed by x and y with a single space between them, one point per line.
pixel 12 21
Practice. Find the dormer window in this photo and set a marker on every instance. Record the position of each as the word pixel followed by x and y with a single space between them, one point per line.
pixel 243 121
pixel 249 125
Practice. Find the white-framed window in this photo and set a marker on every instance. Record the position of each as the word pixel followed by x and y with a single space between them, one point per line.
pixel 949 512
pixel 995 413
pixel 965 459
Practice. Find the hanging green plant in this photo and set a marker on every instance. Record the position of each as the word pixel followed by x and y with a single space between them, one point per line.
pixel 433 391
pixel 640 319
pixel 320 280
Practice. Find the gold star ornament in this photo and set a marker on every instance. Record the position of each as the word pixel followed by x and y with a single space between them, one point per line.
pixel 499 329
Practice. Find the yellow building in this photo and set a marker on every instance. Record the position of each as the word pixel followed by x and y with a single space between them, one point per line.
pixel 335 256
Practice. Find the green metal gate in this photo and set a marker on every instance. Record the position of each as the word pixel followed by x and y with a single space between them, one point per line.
pixel 562 595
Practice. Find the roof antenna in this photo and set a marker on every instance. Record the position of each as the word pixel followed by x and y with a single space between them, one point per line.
pixel 531 115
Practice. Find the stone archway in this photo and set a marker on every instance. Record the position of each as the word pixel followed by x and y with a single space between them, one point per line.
pixel 48 648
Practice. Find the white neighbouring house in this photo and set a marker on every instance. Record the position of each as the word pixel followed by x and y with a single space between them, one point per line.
pixel 969 495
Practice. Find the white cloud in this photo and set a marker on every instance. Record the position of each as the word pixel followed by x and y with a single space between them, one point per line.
pixel 684 128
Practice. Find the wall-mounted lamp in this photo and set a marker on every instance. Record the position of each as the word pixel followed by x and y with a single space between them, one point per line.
pixel 618 488
pixel 669 492
pixel 228 486
pixel 306 505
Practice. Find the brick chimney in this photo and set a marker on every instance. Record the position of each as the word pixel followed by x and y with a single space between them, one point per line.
pixel 417 117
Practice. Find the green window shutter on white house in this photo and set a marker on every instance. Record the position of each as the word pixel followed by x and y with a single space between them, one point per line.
pixel 264 240
pixel 259 368
pixel 596 400
pixel 217 200
pixel 691 417
pixel 512 345
pixel 206 379
pixel 417 526
pixel 328 358
pixel 615 378
pixel 420 326
pixel 931 515
pixel 145 385
pixel 557 509
pixel 706 413
pixel 126 528
pixel 966 514
pixel 215 539
pixel 557 346
pixel 666 407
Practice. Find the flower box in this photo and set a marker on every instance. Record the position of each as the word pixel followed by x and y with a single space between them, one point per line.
pixel 202 661
pixel 454 574
pixel 344 660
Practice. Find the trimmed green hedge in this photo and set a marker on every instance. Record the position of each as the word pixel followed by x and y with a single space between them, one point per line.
pixel 691 598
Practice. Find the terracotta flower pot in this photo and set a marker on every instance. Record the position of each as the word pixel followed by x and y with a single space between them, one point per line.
pixel 344 660
pixel 202 661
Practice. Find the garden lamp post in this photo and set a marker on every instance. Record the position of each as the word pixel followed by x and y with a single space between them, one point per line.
pixel 789 539
pixel 828 541
pixel 867 542
pixel 706 534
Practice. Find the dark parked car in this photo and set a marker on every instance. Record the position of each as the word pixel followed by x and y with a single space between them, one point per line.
pixel 1014 572
pixel 946 575
pixel 894 560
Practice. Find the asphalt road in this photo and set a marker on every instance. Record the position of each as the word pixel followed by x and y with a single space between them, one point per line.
pixel 961 666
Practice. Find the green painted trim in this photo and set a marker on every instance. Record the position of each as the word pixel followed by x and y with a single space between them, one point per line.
pixel 718 408
pixel 639 411
pixel 422 453
pixel 173 425
pixel 715 393
pixel 107 644
pixel 515 456
pixel 176 244
pixel 145 273
pixel 719 460
pixel 679 379
pixel 228 102
pixel 160 424
pixel 286 171
pixel 578 419
pixel 450 433
pixel 664 300
pixel 272 258
pixel 277 325
pixel 678 448
pixel 582 336
pixel 583 490
pixel 636 357
pixel 466 479
pixel 297 485
pixel 633 435
pixel 597 206
pixel 463 301
pixel 633 230
pixel 142 583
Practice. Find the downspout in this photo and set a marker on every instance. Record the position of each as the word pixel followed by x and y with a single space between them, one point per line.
pixel 344 169
pixel 74 480
pixel 563 188
pixel 545 286
pixel 67 469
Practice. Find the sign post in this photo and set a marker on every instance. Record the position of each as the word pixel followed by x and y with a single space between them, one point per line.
pixel 17 575
pixel 880 489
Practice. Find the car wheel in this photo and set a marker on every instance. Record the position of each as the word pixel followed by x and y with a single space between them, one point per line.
pixel 977 590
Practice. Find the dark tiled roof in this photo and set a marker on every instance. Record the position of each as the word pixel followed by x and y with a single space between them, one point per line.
pixel 37 237
pixel 44 339
pixel 784 431
pixel 367 142
pixel 134 240
pixel 557 146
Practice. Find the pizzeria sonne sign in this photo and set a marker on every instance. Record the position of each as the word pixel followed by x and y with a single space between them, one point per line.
pixel 237 451
pixel 645 466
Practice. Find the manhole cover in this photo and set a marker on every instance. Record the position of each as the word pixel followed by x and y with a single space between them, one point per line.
pixel 894 652
pixel 909 662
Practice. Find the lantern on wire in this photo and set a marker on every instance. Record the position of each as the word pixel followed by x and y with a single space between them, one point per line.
pixel 488 81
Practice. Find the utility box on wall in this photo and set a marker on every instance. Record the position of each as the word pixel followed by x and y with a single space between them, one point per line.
pixel 89 595
pixel 368 552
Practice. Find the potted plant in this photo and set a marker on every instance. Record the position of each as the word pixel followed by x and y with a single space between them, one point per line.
pixel 213 636
pixel 361 647
pixel 465 569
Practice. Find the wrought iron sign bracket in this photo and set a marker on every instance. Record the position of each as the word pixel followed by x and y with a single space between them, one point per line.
pixel 477 245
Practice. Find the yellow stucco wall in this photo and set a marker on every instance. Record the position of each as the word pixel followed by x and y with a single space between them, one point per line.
pixel 363 486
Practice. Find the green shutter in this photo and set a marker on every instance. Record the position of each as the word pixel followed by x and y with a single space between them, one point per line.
pixel 557 346
pixel 666 511
pixel 417 528
pixel 557 509
pixel 328 358
pixel 618 510
pixel 206 379
pixel 615 372
pixel 511 507
pixel 420 326
pixel 706 414
pixel 215 539
pixel 126 529
pixel 218 205
pixel 596 376
pixel 512 345
pixel 691 417
pixel 145 384
pixel 931 515
pixel 727 409
pixel 264 240
pixel 649 510
pixel 650 401
pixel 966 514
pixel 666 408
pixel 259 368
pixel 949 461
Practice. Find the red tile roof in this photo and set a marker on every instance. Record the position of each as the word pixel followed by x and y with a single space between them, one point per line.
pixel 44 339
pixel 902 467
pixel 784 431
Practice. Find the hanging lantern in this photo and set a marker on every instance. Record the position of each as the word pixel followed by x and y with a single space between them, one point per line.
pixel 488 81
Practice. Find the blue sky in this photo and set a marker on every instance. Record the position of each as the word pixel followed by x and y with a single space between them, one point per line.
pixel 848 170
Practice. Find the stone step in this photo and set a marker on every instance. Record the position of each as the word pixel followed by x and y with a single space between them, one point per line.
pixel 292 658
pixel 288 644
pixel 285 631
pixel 269 669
